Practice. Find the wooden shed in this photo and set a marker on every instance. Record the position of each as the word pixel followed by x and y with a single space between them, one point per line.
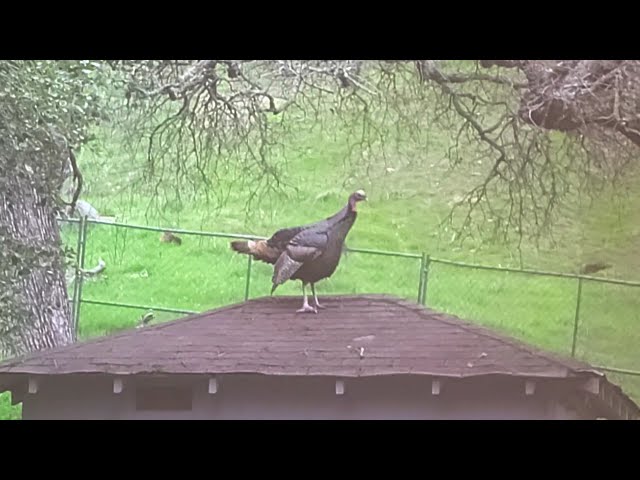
pixel 364 357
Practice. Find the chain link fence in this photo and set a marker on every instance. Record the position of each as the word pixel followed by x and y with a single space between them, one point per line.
pixel 157 274
pixel 538 308
pixel 609 330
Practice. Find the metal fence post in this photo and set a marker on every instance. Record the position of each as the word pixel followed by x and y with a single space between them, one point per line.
pixel 423 262
pixel 426 262
pixel 248 283
pixel 576 319
pixel 80 277
pixel 75 282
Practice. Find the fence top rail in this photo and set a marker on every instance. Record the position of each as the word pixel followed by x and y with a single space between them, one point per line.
pixel 536 272
pixel 163 229
pixel 383 253
pixel 363 250
pixel 622 371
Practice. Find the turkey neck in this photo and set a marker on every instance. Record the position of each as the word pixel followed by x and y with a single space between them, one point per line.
pixel 337 234
pixel 345 213
pixel 341 228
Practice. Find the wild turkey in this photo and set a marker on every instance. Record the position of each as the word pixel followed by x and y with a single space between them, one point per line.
pixel 308 253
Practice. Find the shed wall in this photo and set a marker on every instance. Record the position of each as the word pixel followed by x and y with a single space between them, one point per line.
pixel 263 397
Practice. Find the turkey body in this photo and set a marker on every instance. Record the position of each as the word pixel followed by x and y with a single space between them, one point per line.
pixel 326 244
pixel 309 253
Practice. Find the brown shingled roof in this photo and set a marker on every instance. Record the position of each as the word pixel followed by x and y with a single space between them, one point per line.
pixel 354 336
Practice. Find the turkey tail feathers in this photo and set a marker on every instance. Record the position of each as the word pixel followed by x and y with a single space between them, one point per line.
pixel 259 249
pixel 242 246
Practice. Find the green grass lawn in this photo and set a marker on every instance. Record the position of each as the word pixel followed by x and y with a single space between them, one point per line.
pixel 408 199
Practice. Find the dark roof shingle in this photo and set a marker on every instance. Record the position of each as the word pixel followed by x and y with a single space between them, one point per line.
pixel 354 336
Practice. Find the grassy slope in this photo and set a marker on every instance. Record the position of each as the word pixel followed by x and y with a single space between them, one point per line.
pixel 407 201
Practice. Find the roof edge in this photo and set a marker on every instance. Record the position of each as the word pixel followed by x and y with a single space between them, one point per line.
pixel 129 331
pixel 453 319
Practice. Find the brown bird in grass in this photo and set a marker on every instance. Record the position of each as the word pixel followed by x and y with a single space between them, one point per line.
pixel 169 237
pixel 590 268
pixel 308 253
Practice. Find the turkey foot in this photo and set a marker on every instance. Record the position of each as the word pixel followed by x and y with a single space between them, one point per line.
pixel 318 305
pixel 315 297
pixel 306 308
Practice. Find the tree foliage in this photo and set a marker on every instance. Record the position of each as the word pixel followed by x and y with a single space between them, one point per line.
pixel 548 128
pixel 541 128
pixel 45 111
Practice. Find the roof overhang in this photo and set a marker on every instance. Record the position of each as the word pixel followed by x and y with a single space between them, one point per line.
pixel 591 390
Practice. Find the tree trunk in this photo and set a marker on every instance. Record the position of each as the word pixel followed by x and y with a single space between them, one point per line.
pixel 34 306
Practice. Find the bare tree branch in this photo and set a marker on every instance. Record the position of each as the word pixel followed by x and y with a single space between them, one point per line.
pixel 501 120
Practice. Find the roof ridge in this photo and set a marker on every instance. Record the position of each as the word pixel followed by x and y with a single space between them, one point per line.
pixel 467 325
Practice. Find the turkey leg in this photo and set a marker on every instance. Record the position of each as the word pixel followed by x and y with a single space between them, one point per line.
pixel 315 297
pixel 306 308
